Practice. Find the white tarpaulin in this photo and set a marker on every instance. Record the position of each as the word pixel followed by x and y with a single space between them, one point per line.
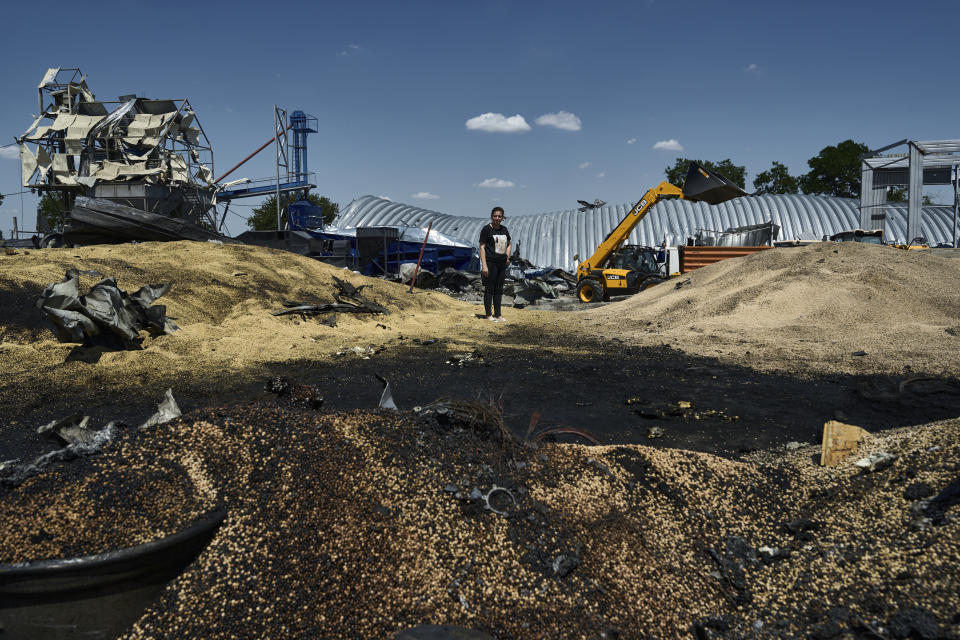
pixel 38 134
pixel 77 132
pixel 148 123
pixel 48 77
pixel 61 170
pixel 26 134
pixel 113 170
pixel 28 164
pixel 63 121
pixel 203 173
pixel 178 169
pixel 43 163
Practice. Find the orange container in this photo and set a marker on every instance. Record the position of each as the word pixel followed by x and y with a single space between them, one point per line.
pixel 695 257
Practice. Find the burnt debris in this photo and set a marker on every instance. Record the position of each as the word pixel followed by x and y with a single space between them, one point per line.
pixel 106 315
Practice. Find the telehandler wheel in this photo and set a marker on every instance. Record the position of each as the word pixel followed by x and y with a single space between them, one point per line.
pixel 649 282
pixel 590 290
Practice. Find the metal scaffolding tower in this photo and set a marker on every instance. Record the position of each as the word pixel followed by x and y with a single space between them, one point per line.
pixel 933 162
pixel 291 173
pixel 301 124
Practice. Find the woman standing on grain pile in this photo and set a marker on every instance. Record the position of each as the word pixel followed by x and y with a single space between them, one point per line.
pixel 495 250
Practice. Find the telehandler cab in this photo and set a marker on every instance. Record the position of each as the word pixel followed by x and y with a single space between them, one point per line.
pixel 618 269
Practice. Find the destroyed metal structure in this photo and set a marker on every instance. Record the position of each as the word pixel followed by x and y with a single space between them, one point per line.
pixel 150 155
pixel 934 162
pixel 552 239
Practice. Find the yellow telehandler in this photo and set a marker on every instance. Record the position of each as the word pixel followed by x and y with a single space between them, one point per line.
pixel 618 269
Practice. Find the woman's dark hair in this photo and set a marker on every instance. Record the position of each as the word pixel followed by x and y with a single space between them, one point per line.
pixel 495 209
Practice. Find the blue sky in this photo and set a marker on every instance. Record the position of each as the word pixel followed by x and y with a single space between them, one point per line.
pixel 395 84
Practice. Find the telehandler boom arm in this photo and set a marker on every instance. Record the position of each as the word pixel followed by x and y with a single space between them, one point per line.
pixel 701 185
pixel 622 231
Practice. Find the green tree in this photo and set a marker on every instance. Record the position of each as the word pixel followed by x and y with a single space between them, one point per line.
pixel 677 174
pixel 835 171
pixel 51 207
pixel 776 179
pixel 264 217
pixel 896 194
pixel 899 194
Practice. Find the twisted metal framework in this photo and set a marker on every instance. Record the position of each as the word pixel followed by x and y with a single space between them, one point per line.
pixel 81 146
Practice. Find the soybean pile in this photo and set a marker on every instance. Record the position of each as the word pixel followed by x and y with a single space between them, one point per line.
pixel 365 523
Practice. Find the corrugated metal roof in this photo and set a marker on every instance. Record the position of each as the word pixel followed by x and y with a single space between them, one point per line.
pixel 552 239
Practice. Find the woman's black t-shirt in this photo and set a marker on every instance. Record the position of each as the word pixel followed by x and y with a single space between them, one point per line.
pixel 494 242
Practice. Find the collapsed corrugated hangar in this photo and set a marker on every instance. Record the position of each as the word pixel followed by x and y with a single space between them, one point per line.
pixel 552 239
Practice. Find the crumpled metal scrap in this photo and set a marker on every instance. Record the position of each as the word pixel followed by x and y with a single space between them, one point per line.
pixel 167 410
pixel 85 442
pixel 70 430
pixel 106 314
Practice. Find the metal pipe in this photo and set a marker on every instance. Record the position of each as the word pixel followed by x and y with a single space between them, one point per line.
pixel 258 150
pixel 277 125
pixel 956 201
pixel 420 257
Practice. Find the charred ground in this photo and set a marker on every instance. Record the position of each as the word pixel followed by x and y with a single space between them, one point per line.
pixel 615 392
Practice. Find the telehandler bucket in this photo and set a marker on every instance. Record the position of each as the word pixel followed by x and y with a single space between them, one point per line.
pixel 703 185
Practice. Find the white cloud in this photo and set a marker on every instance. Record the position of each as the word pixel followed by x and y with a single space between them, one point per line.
pixel 425 195
pixel 584 165
pixel 752 68
pixel 12 152
pixel 602 174
pixel 631 140
pixel 351 50
pixel 498 123
pixel 561 120
pixel 668 145
pixel 495 183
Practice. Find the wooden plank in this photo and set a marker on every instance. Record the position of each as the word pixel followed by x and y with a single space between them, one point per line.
pixel 839 441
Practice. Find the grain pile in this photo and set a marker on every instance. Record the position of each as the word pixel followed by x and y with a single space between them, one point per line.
pixel 98 504
pixel 804 308
pixel 222 297
pixel 869 553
